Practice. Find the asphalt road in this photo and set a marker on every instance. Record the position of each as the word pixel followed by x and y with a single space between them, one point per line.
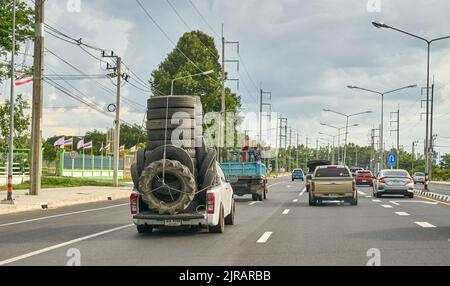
pixel 282 230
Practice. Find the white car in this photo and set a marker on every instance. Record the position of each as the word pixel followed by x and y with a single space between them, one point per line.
pixel 218 211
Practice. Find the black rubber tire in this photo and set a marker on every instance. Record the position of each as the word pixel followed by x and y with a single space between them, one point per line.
pixel 311 200
pixel 172 153
pixel 231 218
pixel 135 175
pixel 162 113
pixel 255 197
pixel 176 169
pixel 411 195
pixel 207 163
pixel 220 227
pixel 377 195
pixel 140 160
pixel 200 150
pixel 144 228
pixel 179 133
pixel 158 124
pixel 354 201
pixel 171 101
pixel 185 144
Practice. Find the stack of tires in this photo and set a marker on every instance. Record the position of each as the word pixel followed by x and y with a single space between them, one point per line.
pixel 179 182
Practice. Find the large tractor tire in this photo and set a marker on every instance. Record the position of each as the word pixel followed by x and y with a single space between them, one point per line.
pixel 140 160
pixel 207 163
pixel 173 197
pixel 172 153
pixel 135 175
pixel 159 124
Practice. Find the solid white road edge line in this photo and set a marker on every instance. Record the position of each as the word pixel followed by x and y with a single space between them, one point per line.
pixel 264 237
pixel 64 214
pixel 286 211
pixel 47 249
pixel 402 213
pixel 302 192
pixel 424 224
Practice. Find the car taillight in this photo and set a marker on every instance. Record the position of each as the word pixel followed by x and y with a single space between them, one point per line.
pixel 134 198
pixel 410 180
pixel 313 185
pixel 210 204
pixel 381 180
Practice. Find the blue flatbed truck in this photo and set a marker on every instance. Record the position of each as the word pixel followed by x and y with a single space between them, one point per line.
pixel 247 178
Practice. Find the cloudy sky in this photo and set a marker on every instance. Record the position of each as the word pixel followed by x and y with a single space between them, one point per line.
pixel 304 52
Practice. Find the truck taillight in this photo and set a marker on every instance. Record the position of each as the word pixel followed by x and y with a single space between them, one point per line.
pixel 210 203
pixel 134 198
pixel 381 180
pixel 313 186
pixel 354 184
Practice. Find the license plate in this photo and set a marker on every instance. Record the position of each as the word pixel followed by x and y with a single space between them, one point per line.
pixel 172 222
pixel 364 181
pixel 333 195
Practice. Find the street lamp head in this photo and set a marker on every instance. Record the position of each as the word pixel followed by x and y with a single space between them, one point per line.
pixel 351 86
pixel 207 72
pixel 412 86
pixel 326 109
pixel 380 25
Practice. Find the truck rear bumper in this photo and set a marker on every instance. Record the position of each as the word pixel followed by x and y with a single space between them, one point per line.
pixel 170 220
pixel 333 196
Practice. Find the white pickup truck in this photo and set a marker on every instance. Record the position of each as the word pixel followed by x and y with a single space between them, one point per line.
pixel 218 210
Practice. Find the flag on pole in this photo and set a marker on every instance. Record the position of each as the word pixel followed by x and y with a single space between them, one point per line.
pixel 133 149
pixel 80 144
pixel 87 145
pixel 108 147
pixel 59 142
pixel 101 148
pixel 23 78
pixel 122 148
pixel 68 142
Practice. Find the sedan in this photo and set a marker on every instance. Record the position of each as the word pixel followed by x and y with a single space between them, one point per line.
pixel 393 182
pixel 419 177
pixel 364 178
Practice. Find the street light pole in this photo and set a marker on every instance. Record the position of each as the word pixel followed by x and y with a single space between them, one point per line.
pixel 382 94
pixel 188 76
pixel 346 126
pixel 428 135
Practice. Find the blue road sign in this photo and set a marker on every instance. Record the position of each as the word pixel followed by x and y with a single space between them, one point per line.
pixel 392 160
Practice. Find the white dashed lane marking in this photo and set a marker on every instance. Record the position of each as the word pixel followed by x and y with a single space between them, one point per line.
pixel 424 224
pixel 361 193
pixel 286 211
pixel 376 201
pixel 387 206
pixel 394 203
pixel 402 213
pixel 264 237
pixel 295 200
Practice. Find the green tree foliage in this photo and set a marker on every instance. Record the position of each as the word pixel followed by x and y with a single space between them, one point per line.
pixel 200 48
pixel 24 30
pixel 21 124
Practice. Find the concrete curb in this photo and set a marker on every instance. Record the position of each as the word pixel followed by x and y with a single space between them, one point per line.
pixel 440 183
pixel 439 197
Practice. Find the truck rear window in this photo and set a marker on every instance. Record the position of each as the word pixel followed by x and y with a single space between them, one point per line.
pixel 332 172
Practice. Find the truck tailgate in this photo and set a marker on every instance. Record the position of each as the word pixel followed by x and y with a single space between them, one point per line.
pixel 333 185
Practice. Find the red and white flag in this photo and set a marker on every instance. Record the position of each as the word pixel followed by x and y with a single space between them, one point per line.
pixel 80 144
pixel 88 145
pixel 23 78
pixel 133 149
pixel 122 148
pixel 59 142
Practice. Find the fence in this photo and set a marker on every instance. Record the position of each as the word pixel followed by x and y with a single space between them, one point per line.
pixel 21 169
pixel 72 164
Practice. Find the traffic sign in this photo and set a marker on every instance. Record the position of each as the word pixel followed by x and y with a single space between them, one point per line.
pixel 73 154
pixel 392 160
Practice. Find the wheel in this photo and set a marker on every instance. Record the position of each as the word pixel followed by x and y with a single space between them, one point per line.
pixel 220 227
pixel 163 197
pixel 207 163
pixel 377 195
pixel 171 113
pixel 134 175
pixel 311 200
pixel 292 180
pixel 140 160
pixel 411 195
pixel 255 197
pixel 307 188
pixel 230 219
pixel 354 201
pixel 144 228
pixel 171 102
pixel 172 153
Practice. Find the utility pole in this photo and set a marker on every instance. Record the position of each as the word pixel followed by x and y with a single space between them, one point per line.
pixel 414 144
pixel 261 104
pixel 296 152
pixel 38 71
pixel 9 199
pixel 118 74
pixel 306 151
pixel 397 130
pixel 317 149
pixel 276 148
